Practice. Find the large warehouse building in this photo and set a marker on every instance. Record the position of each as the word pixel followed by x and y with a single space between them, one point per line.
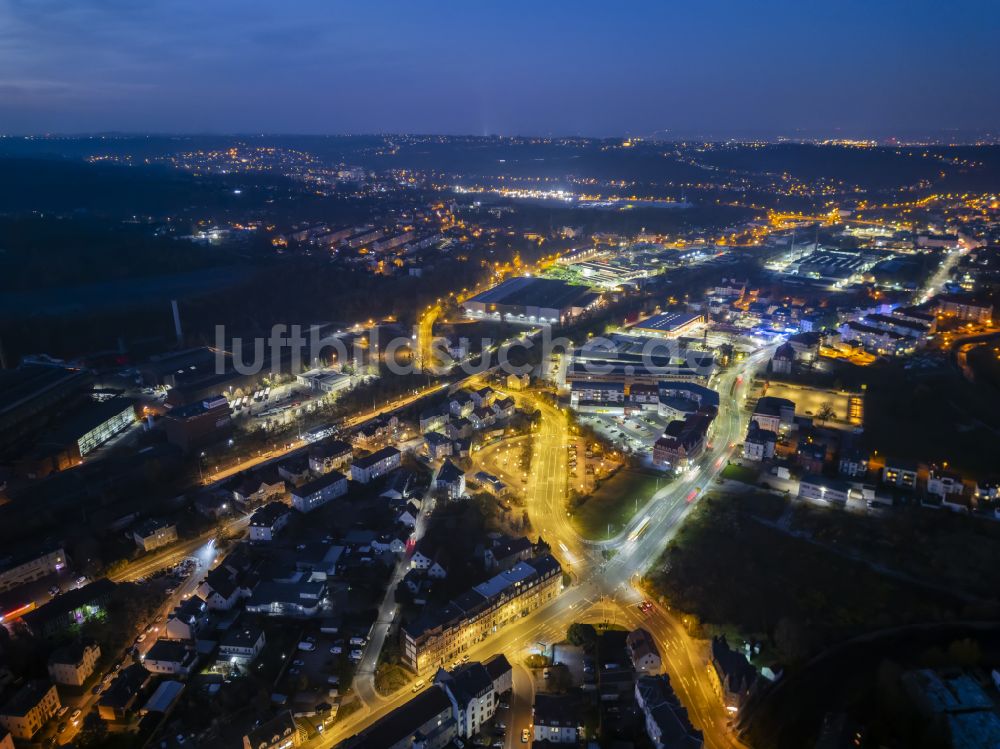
pixel 529 299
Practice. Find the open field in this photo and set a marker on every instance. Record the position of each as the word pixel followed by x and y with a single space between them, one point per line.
pixel 614 502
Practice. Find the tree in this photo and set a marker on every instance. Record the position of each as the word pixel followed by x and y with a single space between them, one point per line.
pixel 825 413
pixel 791 640
pixel 581 635
pixel 966 652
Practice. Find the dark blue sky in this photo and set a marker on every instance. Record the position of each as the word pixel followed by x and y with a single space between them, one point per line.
pixel 719 67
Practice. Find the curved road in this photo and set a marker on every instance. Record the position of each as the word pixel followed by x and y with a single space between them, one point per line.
pixel 604 589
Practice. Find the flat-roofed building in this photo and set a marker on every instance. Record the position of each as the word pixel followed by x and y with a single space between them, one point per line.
pixel 92 426
pixel 197 424
pixel 530 299
pixel 670 324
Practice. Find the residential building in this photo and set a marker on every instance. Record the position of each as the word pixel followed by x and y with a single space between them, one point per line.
pixel 280 732
pixel 643 652
pixel 73 664
pixel 506 551
pixel 783 359
pixel 474 690
pixel 900 472
pixel 876 340
pixel 490 483
pixel 682 442
pixel 503 407
pixel 759 443
pixel 318 492
pixel 329 456
pixel 187 620
pixel 773 414
pixel 295 469
pixel 557 718
pixel 735 679
pixel 450 479
pixel 170 657
pixel 379 463
pixel 221 590
pixel 268 521
pixel 241 644
pixel 118 700
pixel 666 720
pixel 596 396
pixel 441 634
pixel 376 433
pixel 483 397
pixel 251 488
pixel 965 308
pixel 31 707
pixel 153 533
pixel 424 722
pixel 438 445
pixel 942 483
pixel 853 462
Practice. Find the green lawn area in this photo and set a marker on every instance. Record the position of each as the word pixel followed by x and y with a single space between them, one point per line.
pixel 737 472
pixel 614 502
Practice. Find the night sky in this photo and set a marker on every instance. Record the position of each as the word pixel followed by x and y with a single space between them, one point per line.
pixel 668 69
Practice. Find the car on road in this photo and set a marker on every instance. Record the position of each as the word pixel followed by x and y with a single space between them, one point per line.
pixel 141 638
pixel 525 736
pixel 54 590
pixel 336 650
pixel 75 716
pixel 356 655
pixel 307 646
pixel 62 727
pixel 418 686
pixel 298 663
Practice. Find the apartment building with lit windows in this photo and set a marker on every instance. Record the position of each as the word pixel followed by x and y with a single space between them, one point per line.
pixel 440 635
pixel 31 707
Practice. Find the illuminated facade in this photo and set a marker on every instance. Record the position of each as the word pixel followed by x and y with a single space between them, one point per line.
pixel 441 635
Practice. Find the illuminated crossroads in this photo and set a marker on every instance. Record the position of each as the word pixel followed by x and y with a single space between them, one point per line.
pixel 604 590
